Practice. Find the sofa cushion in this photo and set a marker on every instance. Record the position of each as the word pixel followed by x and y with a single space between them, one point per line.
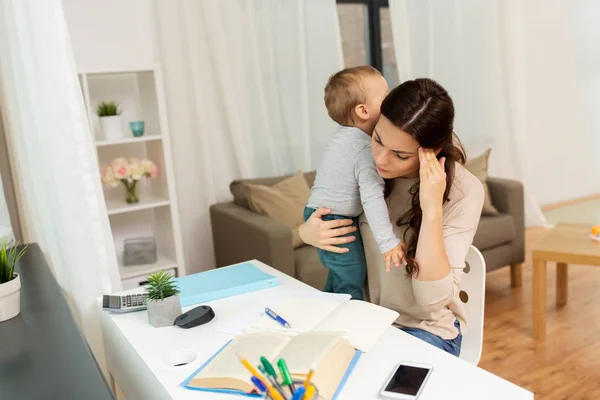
pixel 478 166
pixel 284 202
pixel 494 231
pixel 239 191
pixel 309 268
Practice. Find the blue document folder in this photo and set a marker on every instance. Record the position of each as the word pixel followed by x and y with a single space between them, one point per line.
pixel 223 282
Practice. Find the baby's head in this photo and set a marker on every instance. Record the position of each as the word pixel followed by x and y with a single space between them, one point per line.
pixel 353 97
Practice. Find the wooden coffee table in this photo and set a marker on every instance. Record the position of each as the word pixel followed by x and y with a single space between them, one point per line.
pixel 564 244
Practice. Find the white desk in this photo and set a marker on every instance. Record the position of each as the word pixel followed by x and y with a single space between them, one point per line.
pixel 135 352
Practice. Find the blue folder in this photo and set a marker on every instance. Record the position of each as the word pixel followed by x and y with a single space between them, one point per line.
pixel 186 382
pixel 223 282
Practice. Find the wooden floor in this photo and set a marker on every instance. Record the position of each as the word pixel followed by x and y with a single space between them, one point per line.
pixel 567 364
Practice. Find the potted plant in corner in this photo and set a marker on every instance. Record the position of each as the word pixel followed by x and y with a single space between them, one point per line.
pixel 110 120
pixel 10 283
pixel 163 301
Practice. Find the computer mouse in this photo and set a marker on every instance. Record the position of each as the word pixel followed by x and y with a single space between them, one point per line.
pixel 196 316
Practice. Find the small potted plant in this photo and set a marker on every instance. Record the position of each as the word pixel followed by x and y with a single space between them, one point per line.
pixel 110 120
pixel 128 172
pixel 10 283
pixel 163 301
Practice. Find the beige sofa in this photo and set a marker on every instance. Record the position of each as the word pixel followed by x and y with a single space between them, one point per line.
pixel 240 234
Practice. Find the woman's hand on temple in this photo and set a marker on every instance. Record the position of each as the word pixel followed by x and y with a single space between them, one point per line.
pixel 326 234
pixel 433 182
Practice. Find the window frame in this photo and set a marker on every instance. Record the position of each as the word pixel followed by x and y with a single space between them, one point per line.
pixel 374 25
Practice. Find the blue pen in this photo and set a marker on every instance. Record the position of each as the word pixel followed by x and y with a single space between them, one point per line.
pixel 299 393
pixel 276 317
pixel 258 383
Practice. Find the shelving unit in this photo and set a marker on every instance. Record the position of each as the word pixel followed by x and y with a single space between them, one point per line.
pixel 140 96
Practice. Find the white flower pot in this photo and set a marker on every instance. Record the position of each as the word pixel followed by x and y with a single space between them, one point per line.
pixel 10 298
pixel 164 312
pixel 112 127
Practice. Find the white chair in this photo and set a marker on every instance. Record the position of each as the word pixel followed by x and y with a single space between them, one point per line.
pixel 472 294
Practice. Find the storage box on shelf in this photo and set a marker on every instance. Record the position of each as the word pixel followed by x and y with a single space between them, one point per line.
pixel 140 97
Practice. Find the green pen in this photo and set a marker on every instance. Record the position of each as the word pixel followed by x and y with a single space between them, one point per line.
pixel 267 369
pixel 286 377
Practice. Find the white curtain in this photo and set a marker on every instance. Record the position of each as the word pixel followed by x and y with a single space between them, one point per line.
pixel 6 233
pixel 244 85
pixel 56 167
pixel 509 66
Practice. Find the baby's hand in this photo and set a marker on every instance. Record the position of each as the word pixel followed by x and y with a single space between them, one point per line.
pixel 394 256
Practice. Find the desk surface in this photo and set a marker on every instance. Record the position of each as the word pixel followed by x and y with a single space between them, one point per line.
pixel 136 353
pixel 43 355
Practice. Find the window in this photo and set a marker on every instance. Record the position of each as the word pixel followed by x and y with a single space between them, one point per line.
pixel 366 30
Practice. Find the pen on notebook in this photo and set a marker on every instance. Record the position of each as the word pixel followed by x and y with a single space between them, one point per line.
pixel 276 317
pixel 286 377
pixel 272 392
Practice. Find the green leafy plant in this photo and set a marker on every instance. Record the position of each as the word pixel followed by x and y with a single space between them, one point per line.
pixel 8 259
pixel 160 286
pixel 107 109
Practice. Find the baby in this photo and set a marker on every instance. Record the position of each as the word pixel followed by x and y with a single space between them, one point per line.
pixel 347 181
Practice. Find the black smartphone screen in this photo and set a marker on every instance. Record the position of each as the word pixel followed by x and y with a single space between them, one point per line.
pixel 407 380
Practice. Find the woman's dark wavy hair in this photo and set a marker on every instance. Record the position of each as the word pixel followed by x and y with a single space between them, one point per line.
pixel 423 109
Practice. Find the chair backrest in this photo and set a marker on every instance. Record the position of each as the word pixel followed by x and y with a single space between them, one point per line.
pixel 472 294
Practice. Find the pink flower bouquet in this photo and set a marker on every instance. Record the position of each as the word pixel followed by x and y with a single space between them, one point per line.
pixel 128 171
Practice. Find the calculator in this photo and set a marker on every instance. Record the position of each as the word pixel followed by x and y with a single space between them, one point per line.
pixel 125 303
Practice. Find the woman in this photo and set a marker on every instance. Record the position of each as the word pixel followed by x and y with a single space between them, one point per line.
pixel 435 204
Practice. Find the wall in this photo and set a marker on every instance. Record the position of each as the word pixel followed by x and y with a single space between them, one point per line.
pixel 111 35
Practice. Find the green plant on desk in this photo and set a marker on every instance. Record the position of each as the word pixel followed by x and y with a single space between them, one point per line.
pixel 160 286
pixel 9 256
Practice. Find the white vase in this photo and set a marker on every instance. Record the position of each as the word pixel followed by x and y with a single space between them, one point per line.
pixel 112 127
pixel 10 298
pixel 164 312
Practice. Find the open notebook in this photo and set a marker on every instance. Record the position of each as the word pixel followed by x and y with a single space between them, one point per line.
pixel 328 353
pixel 361 323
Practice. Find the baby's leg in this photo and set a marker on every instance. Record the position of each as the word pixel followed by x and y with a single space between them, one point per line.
pixel 347 271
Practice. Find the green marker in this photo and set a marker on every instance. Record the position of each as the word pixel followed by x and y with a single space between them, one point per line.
pixel 285 374
pixel 267 369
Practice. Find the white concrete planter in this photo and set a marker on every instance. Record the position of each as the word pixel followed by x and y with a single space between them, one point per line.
pixel 164 312
pixel 112 127
pixel 10 298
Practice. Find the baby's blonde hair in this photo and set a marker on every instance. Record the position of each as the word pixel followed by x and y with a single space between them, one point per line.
pixel 344 91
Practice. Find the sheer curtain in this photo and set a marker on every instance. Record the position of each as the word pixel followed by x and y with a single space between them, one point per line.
pixel 244 84
pixel 6 233
pixel 56 168
pixel 509 66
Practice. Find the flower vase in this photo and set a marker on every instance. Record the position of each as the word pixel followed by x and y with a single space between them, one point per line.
pixel 132 193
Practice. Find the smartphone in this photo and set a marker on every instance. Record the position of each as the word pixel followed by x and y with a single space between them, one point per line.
pixel 407 381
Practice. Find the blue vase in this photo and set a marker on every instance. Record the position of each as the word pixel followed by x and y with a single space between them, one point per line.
pixel 137 128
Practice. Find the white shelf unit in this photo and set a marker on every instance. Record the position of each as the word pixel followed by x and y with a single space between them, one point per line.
pixel 140 96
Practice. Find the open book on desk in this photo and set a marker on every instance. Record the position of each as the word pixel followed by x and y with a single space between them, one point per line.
pixel 361 323
pixel 330 356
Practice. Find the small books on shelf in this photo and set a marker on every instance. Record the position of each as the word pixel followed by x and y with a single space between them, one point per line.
pixel 330 355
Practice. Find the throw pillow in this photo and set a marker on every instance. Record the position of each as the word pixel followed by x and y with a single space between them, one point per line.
pixel 478 166
pixel 283 202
